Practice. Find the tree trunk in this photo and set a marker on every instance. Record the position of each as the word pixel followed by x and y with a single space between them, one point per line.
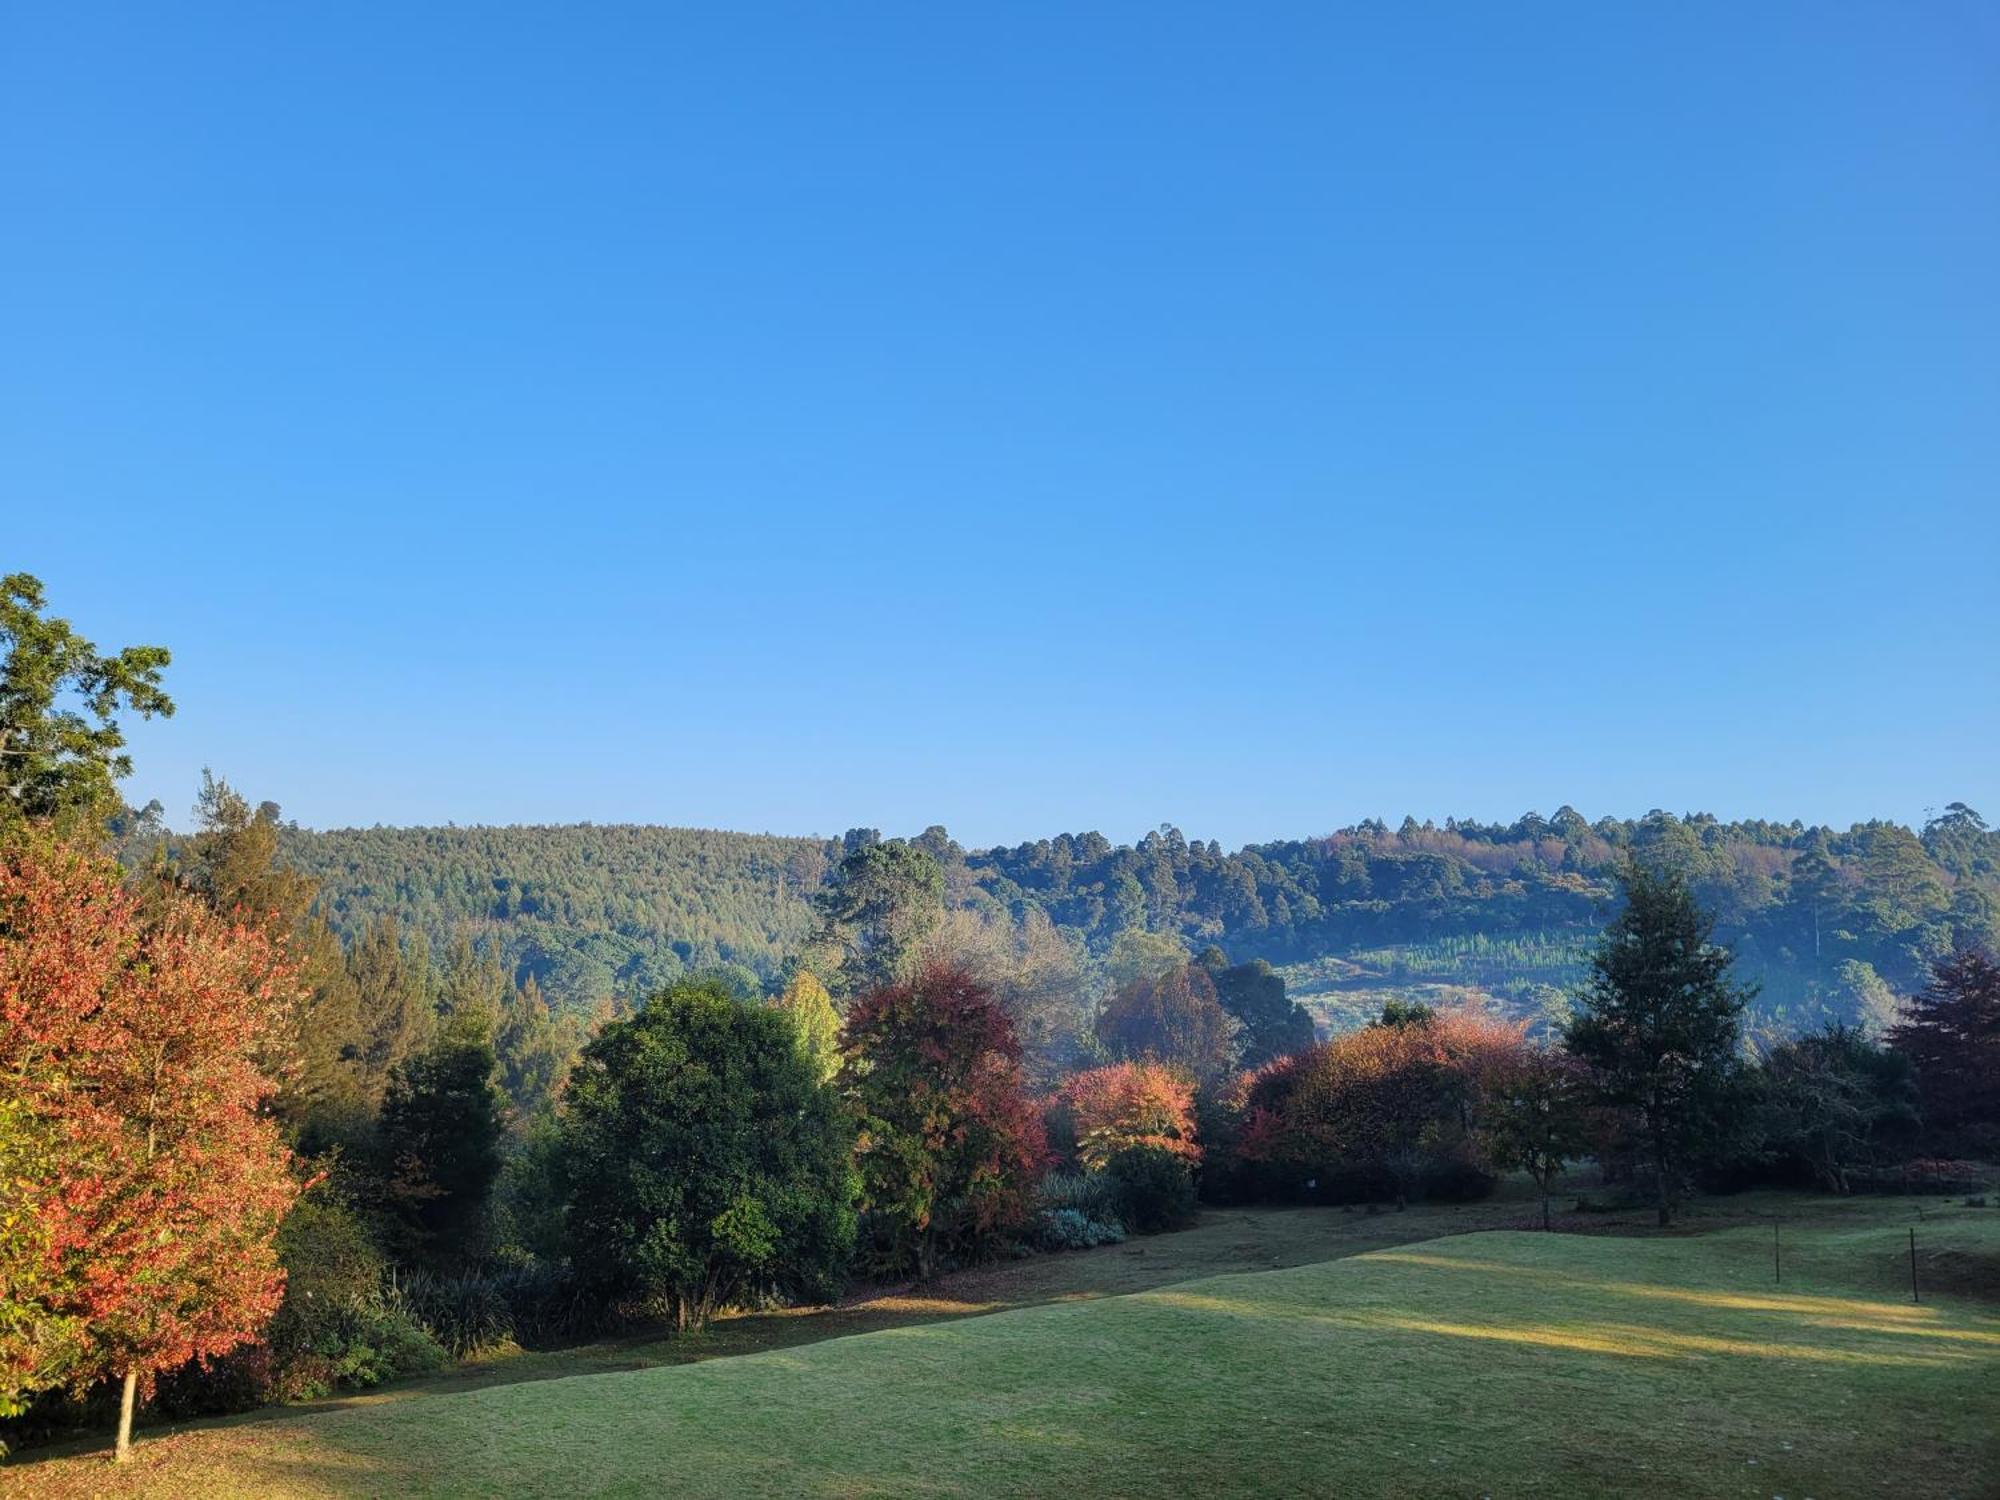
pixel 1660 1177
pixel 1545 1210
pixel 123 1451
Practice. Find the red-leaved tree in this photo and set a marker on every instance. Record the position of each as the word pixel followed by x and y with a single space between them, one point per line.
pixel 1131 1104
pixel 1382 1107
pixel 137 1035
pixel 950 1146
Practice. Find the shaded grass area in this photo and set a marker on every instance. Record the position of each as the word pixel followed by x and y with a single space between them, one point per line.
pixel 1496 1363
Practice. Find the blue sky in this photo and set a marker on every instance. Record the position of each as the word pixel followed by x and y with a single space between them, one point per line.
pixel 1024 418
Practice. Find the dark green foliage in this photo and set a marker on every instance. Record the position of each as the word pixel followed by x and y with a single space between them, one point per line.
pixel 1154 1189
pixel 1835 1102
pixel 1658 1024
pixel 1951 1034
pixel 438 1143
pixel 703 1159
pixel 61 749
pixel 1399 1013
pixel 1254 993
pixel 476 1310
pixel 587 911
pixel 527 1219
pixel 883 900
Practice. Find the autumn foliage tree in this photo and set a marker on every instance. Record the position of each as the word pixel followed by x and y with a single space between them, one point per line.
pixel 1173 1018
pixel 950 1146
pixel 1131 1104
pixel 1384 1107
pixel 136 1034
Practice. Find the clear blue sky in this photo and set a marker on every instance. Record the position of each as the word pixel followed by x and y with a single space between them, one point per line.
pixel 1025 417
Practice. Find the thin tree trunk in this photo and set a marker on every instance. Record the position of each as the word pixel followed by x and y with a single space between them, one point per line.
pixel 123 1451
pixel 1545 1210
pixel 1660 1176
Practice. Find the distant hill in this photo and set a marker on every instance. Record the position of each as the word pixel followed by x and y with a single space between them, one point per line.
pixel 1832 922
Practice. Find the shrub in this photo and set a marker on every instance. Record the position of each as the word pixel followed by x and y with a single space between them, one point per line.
pixel 1155 1189
pixel 1091 1194
pixel 1067 1229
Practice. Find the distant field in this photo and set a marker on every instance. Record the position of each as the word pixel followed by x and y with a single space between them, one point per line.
pixel 1526 975
pixel 1496 1363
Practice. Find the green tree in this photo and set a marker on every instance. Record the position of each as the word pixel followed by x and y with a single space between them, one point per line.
pixel 1658 1022
pixel 704 1159
pixel 1254 993
pixel 1536 1117
pixel 235 863
pixel 884 900
pixel 804 1001
pixel 395 1011
pixel 537 1048
pixel 62 751
pixel 1834 1101
pixel 1173 1018
pixel 1951 1033
pixel 439 1145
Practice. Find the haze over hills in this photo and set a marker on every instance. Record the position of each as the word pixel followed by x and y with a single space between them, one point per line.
pixel 1832 923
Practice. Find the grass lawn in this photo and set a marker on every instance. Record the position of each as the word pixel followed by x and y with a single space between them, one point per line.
pixel 1498 1363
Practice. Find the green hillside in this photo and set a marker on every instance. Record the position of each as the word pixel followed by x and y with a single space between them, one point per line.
pixel 1830 922
pixel 1501 1364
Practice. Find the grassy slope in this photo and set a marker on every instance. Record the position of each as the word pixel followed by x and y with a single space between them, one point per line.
pixel 1495 1364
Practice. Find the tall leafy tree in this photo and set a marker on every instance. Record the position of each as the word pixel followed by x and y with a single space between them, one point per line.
pixel 1951 1033
pixel 704 1160
pixel 804 1001
pixel 1175 1019
pixel 1537 1117
pixel 536 1048
pixel 883 901
pixel 950 1147
pixel 439 1143
pixel 135 1032
pixel 395 1007
pixel 62 750
pixel 1658 1022
pixel 235 862
pixel 1254 993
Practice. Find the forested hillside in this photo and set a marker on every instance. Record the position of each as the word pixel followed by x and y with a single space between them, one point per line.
pixel 1830 922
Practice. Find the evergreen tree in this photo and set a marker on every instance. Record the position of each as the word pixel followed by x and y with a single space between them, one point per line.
pixel 537 1049
pixel 439 1145
pixel 1951 1033
pixel 1658 1022
pixel 884 900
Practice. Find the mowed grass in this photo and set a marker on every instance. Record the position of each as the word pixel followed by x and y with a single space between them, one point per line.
pixel 1498 1364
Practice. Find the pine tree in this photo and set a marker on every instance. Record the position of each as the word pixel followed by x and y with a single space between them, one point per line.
pixel 1658 1022
pixel 1951 1033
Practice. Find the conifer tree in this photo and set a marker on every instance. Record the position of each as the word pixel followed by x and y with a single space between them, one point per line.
pixel 1658 1023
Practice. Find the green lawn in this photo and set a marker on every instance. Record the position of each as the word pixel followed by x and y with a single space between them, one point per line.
pixel 1500 1364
